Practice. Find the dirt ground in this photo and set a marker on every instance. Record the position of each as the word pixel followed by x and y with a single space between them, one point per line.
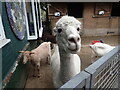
pixel 45 80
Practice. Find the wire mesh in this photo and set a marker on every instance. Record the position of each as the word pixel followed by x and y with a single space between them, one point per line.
pixel 108 76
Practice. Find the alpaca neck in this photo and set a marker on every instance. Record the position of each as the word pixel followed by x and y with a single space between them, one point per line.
pixel 67 65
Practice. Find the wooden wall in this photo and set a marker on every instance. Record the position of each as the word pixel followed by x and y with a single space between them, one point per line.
pixel 98 26
pixel 92 25
pixel 53 7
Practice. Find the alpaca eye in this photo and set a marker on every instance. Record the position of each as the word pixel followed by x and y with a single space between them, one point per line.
pixel 59 30
pixel 78 29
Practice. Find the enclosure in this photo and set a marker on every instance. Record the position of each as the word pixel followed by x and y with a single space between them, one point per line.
pixel 104 73
pixel 86 78
pixel 22 29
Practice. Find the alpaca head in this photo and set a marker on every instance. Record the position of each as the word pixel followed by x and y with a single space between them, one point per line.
pixel 67 33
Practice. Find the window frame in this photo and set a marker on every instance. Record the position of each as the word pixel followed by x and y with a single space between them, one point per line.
pixel 37 29
pixel 3 39
pixel 40 21
pixel 98 8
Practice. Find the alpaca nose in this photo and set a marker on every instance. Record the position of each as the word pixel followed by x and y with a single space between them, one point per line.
pixel 74 39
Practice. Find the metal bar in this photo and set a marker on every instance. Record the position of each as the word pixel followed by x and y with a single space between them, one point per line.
pixel 79 81
pixel 105 79
pixel 109 79
pixel 105 74
pixel 99 71
pixel 112 83
pixel 95 67
pixel 102 75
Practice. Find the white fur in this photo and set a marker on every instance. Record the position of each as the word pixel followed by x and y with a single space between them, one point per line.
pixel 101 49
pixel 42 52
pixel 65 61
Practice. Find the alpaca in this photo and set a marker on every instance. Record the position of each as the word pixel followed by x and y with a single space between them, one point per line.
pixel 65 61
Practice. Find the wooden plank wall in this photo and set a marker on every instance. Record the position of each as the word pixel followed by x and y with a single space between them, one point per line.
pixel 92 25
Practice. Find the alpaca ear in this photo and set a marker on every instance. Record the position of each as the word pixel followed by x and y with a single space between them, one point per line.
pixel 21 51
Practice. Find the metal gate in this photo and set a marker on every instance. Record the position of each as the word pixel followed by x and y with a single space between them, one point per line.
pixel 104 73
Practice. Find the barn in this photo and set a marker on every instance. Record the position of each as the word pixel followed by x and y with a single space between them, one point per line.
pixel 94 22
pixel 23 26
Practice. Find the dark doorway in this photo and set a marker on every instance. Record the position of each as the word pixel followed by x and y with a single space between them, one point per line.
pixel 115 9
pixel 75 9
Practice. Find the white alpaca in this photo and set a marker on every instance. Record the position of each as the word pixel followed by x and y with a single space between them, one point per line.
pixel 65 61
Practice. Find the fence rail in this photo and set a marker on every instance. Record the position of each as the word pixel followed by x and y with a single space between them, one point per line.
pixel 80 80
pixel 103 73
